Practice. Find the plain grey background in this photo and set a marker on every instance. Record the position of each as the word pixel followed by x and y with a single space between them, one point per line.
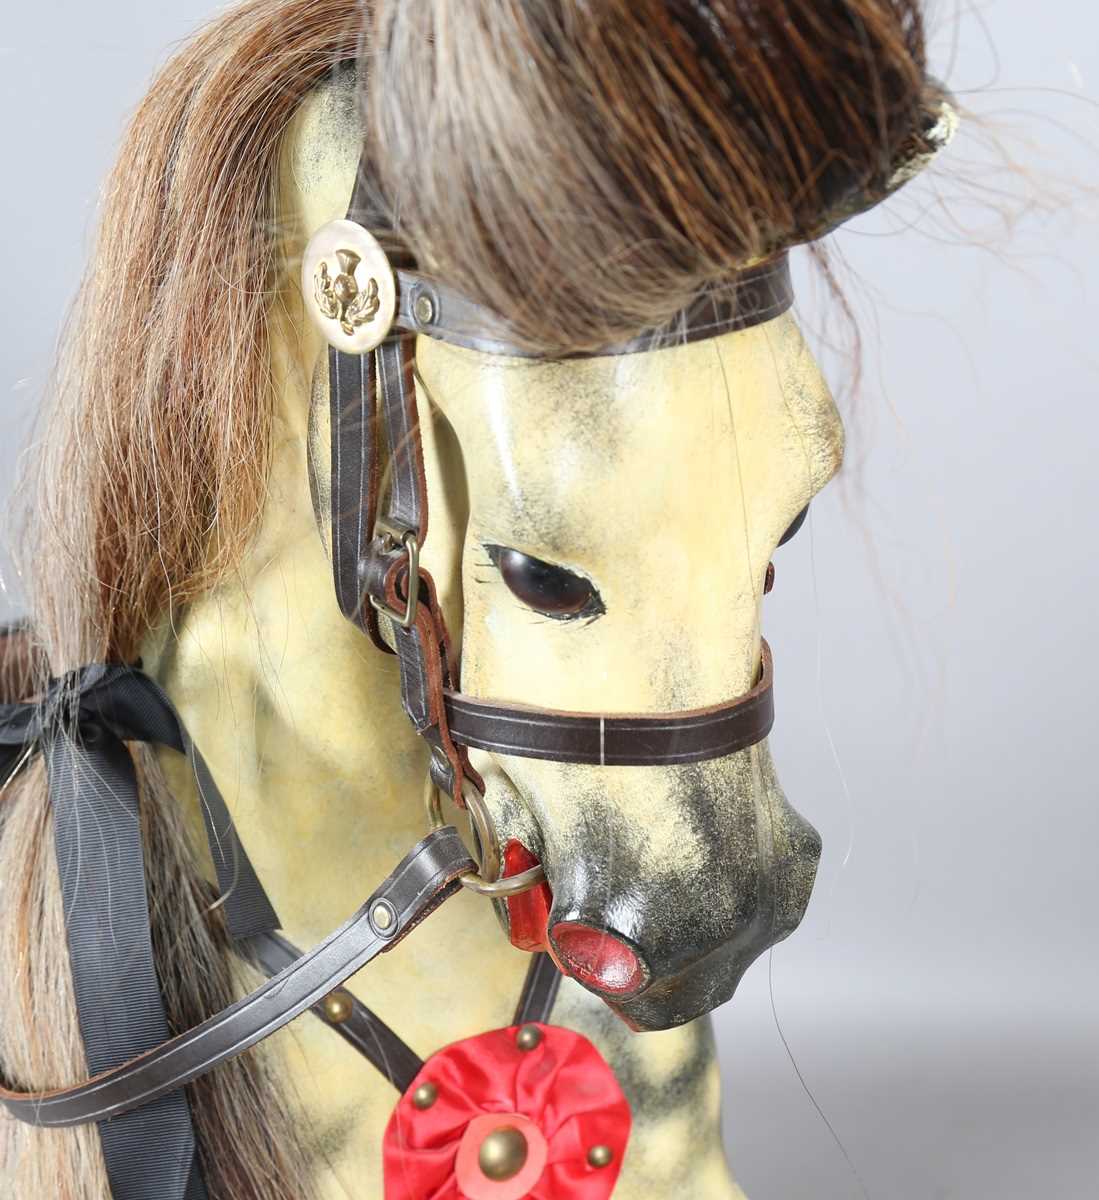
pixel 933 629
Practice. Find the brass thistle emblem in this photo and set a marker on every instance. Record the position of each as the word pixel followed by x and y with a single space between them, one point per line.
pixel 340 299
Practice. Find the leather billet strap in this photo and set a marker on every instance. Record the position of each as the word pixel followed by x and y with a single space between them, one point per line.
pixel 423 880
pixel 375 574
pixel 428 667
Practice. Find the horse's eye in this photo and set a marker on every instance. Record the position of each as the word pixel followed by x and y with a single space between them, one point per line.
pixel 795 525
pixel 549 589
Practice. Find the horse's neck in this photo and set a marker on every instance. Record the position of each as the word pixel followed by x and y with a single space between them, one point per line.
pixel 297 714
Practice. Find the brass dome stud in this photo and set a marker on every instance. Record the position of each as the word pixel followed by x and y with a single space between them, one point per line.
pixel 600 1156
pixel 338 1006
pixel 528 1038
pixel 503 1154
pixel 425 1096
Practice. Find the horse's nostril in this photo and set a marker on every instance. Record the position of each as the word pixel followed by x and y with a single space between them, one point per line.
pixel 598 959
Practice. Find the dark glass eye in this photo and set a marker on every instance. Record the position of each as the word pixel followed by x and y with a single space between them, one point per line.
pixel 549 589
pixel 795 525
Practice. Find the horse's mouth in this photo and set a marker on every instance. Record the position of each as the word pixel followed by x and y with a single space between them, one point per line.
pixel 605 963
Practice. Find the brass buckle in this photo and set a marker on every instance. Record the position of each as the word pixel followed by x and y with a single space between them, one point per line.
pixel 395 537
pixel 488 847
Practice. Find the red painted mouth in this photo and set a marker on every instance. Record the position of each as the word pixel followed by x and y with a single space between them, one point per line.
pixel 597 958
pixel 528 913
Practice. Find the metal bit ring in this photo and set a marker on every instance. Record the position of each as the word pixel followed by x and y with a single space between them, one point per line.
pixel 488 847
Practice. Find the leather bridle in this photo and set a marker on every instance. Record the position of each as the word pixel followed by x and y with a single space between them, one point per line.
pixel 83 722
pixel 381 584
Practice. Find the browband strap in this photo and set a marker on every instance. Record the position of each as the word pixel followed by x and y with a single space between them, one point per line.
pixel 754 295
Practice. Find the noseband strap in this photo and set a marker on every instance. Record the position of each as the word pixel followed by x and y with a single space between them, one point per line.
pixel 641 740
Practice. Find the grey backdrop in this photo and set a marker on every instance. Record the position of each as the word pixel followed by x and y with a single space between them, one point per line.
pixel 934 632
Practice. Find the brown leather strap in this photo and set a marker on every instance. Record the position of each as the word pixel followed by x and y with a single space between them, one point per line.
pixel 757 294
pixel 539 991
pixel 429 306
pixel 424 654
pixel 354 1022
pixel 637 740
pixel 422 881
pixel 354 473
pixel 367 1033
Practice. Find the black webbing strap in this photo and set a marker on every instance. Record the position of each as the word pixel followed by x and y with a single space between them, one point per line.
pixel 97 833
pixel 81 725
pixel 133 707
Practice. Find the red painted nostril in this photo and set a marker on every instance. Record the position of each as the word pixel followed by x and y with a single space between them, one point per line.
pixel 598 958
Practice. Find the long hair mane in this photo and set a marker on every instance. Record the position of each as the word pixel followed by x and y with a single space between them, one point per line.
pixel 148 480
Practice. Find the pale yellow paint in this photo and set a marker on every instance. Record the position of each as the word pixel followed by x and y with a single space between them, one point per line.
pixel 684 464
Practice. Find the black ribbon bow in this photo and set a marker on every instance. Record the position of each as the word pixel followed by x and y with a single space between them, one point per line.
pixel 81 725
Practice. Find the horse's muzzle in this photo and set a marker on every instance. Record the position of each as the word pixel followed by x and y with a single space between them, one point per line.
pixel 663 951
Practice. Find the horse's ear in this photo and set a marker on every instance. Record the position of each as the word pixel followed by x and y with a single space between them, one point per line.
pixel 935 129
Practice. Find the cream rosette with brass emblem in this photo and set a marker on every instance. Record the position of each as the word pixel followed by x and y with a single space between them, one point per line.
pixel 349 288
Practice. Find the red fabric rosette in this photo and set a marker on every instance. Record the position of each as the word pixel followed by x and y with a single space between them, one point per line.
pixel 559 1099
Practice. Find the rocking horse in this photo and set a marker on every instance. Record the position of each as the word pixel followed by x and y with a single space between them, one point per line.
pixel 521 268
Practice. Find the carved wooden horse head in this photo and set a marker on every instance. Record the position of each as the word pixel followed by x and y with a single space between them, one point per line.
pixel 609 523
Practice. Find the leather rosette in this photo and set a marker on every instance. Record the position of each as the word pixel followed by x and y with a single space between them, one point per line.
pixel 529 1111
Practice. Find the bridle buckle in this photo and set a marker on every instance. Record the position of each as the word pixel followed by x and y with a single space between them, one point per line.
pixel 393 538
